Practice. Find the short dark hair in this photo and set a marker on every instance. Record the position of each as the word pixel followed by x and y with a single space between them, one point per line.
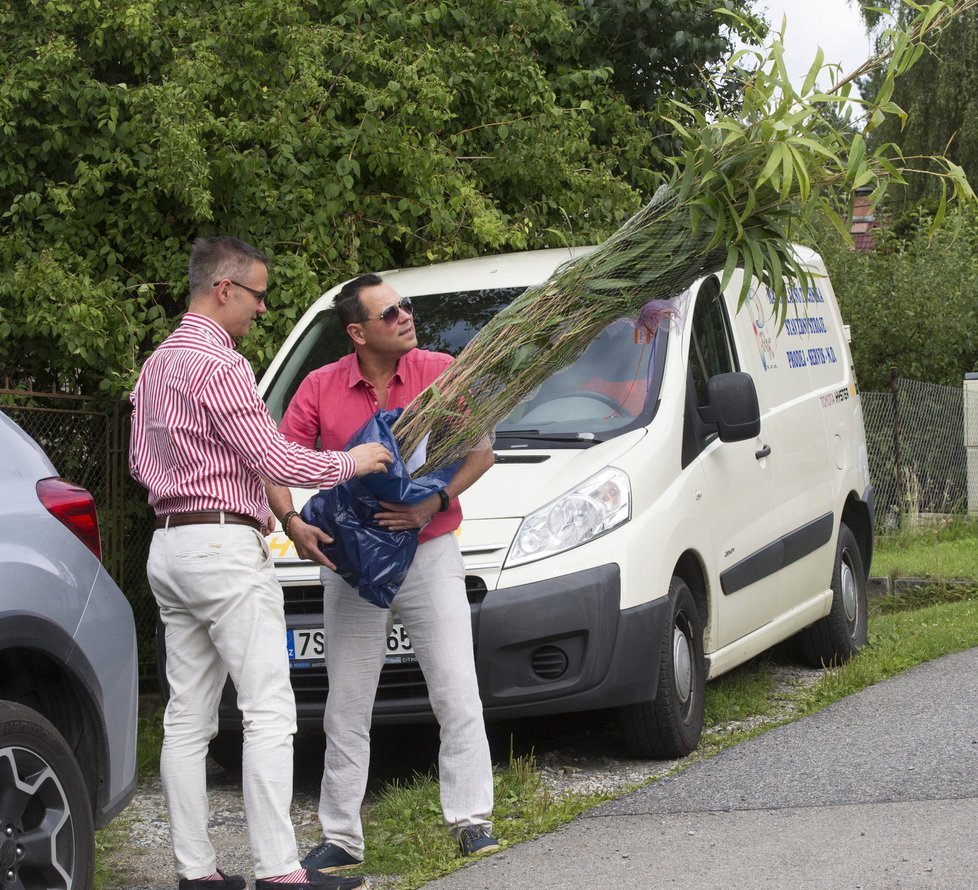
pixel 221 256
pixel 347 302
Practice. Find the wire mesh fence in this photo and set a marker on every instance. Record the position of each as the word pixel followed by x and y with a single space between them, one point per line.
pixel 916 438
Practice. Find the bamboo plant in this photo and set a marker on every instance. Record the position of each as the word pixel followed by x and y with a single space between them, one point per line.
pixel 744 188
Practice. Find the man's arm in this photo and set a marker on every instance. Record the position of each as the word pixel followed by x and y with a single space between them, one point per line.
pixel 306 537
pixel 241 419
pixel 397 517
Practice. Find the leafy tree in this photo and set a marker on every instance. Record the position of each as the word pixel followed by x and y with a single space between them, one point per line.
pixel 939 94
pixel 338 136
pixel 913 302
pixel 664 49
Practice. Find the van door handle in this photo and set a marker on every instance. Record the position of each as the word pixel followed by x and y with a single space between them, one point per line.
pixel 764 452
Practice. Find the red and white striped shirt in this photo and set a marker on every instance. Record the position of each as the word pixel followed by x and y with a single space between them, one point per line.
pixel 202 438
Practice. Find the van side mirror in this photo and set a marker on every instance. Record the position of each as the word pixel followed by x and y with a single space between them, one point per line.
pixel 733 407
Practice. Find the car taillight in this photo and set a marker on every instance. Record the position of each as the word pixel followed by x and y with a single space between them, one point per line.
pixel 74 508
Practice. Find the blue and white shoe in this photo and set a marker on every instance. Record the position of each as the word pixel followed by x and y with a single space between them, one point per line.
pixel 327 858
pixel 475 841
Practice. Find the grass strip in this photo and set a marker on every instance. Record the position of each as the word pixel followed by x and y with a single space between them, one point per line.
pixel 409 846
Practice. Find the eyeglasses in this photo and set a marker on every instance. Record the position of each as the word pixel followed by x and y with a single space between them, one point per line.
pixel 391 313
pixel 259 295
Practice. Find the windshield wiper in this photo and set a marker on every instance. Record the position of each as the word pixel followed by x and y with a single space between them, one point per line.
pixel 589 438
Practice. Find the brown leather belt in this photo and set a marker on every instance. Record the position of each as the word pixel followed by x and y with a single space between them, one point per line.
pixel 207 517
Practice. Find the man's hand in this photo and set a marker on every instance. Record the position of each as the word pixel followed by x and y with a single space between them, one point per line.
pixel 398 517
pixel 371 457
pixel 307 538
pixel 269 525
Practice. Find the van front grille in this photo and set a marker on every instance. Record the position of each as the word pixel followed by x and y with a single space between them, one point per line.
pixel 397 682
pixel 303 599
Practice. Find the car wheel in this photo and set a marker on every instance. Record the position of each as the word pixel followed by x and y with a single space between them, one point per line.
pixel 842 633
pixel 669 726
pixel 47 836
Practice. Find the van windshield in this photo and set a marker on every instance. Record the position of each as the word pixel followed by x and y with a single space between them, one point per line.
pixel 611 388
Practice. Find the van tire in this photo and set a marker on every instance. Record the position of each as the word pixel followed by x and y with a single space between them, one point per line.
pixel 225 750
pixel 838 636
pixel 45 802
pixel 669 726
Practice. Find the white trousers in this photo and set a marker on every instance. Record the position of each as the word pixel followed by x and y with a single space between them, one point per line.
pixel 223 612
pixel 434 610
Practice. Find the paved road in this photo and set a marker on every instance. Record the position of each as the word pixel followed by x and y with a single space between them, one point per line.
pixel 880 790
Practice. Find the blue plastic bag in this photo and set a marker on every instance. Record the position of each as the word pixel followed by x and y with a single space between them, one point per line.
pixel 367 556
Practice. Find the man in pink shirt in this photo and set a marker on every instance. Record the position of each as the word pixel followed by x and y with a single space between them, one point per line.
pixel 387 370
pixel 203 443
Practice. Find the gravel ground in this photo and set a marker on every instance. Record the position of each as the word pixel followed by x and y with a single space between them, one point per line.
pixel 573 754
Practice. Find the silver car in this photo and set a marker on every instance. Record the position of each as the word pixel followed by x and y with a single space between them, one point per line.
pixel 68 675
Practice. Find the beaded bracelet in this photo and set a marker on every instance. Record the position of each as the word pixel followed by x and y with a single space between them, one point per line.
pixel 286 519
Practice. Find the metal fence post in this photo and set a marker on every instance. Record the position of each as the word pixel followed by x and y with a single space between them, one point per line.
pixel 897 469
pixel 971 438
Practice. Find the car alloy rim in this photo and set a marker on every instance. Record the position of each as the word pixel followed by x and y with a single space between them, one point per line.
pixel 35 806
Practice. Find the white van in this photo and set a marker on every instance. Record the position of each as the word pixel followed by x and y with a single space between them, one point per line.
pixel 660 512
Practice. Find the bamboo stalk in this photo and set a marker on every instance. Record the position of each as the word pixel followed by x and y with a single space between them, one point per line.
pixel 743 190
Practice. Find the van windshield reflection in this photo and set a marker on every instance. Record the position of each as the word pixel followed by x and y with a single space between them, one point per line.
pixel 605 391
pixel 611 388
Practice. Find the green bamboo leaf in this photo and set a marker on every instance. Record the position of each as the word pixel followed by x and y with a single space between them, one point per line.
pixel 813 72
pixel 730 266
pixel 774 262
pixel 857 156
pixel 756 256
pixel 774 161
pixel 816 147
pixel 689 177
pixel 678 127
pixel 884 92
pixel 930 14
pixel 787 174
pixel 839 224
pixel 941 211
pixel 804 178
pixel 745 286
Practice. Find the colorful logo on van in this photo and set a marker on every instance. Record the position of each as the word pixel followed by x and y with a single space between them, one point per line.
pixel 765 343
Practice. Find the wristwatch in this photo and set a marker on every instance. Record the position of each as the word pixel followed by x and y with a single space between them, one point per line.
pixel 445 500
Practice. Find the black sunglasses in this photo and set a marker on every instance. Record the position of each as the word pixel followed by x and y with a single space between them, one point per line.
pixel 391 313
pixel 259 295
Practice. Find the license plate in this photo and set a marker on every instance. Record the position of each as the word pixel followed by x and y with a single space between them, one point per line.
pixel 307 647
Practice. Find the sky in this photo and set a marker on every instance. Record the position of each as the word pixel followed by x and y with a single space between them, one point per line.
pixel 832 24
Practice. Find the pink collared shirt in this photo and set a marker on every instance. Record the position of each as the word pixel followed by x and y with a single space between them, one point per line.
pixel 334 401
pixel 201 436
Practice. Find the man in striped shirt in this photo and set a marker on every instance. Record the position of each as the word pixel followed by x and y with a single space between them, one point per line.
pixel 203 444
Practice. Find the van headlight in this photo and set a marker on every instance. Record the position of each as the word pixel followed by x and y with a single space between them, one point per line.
pixel 592 509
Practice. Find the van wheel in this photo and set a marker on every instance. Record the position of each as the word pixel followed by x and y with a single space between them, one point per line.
pixel 47 835
pixel 225 749
pixel 669 726
pixel 842 633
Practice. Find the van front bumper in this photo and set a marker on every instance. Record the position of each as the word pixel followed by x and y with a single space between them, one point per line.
pixel 556 646
pixel 565 644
